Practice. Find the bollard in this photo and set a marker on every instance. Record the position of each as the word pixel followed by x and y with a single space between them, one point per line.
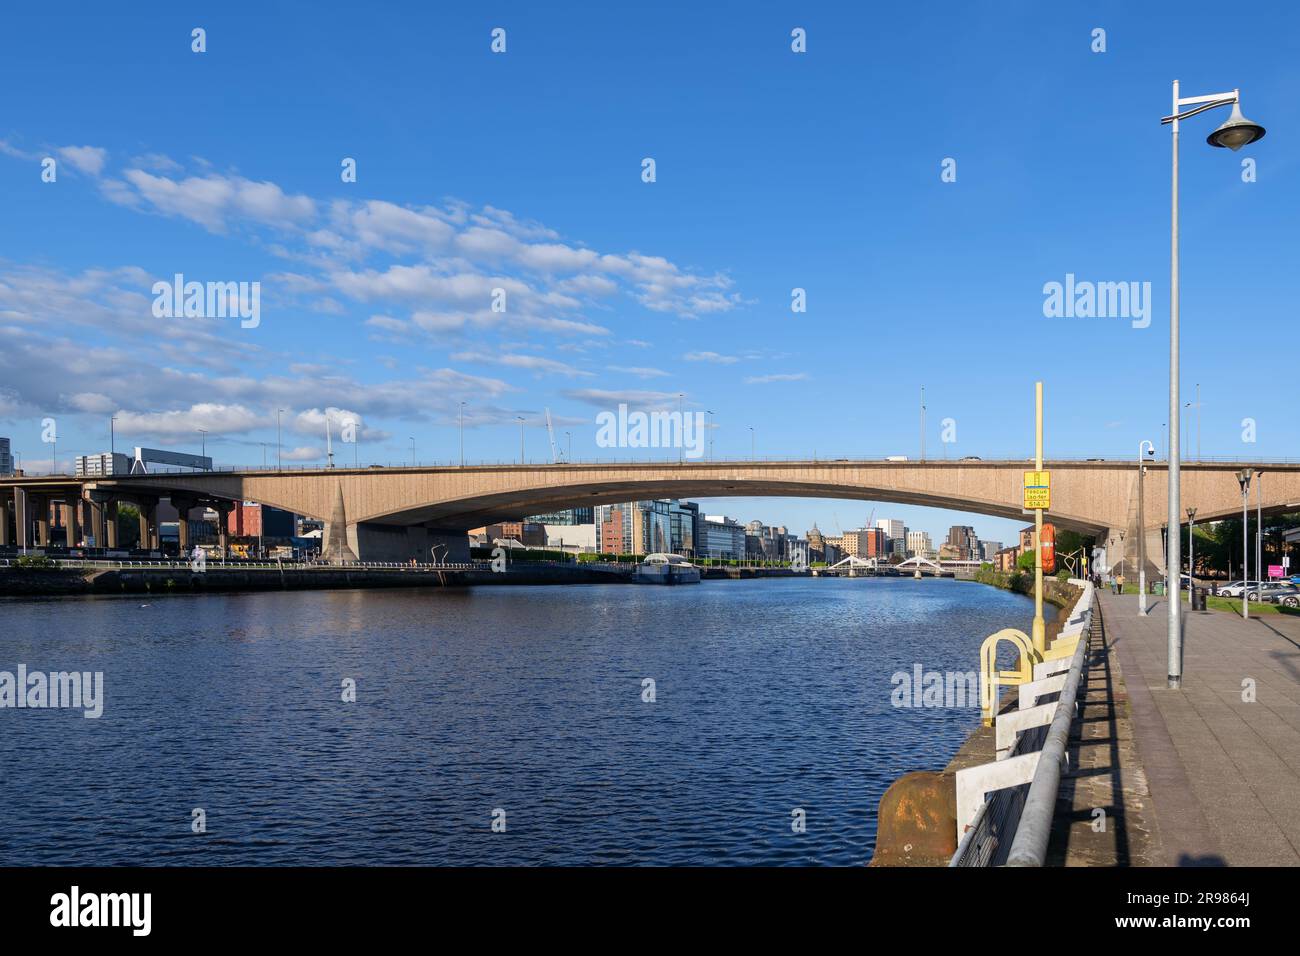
pixel 917 822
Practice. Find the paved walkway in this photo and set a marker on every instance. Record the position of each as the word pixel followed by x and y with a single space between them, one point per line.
pixel 1224 773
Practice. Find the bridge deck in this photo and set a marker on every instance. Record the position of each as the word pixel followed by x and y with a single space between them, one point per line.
pixel 1224 774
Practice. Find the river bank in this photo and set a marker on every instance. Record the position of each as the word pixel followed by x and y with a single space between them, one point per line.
pixel 50 582
pixel 179 578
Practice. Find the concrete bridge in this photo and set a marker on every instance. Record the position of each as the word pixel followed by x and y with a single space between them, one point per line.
pixel 386 514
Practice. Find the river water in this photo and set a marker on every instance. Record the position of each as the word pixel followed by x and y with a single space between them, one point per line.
pixel 521 703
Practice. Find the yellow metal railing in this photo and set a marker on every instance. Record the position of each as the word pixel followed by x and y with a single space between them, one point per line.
pixel 991 678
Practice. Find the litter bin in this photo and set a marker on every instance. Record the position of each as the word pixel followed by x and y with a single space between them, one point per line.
pixel 1160 587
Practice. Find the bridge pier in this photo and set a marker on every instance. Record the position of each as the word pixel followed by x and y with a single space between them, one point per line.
pixel 70 518
pixel 183 507
pixel 110 523
pixel 148 523
pixel 22 519
pixel 42 503
pixel 96 522
pixel 223 509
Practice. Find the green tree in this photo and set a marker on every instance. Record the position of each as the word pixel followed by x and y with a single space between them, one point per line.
pixel 128 526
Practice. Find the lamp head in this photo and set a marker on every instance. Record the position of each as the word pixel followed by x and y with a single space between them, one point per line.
pixel 1236 132
pixel 1243 478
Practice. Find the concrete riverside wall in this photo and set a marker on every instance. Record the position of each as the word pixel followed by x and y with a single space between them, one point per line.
pixel 71 581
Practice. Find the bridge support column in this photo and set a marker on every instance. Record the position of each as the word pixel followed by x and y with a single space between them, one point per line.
pixel 183 507
pixel 148 524
pixel 103 516
pixel 223 526
pixel 22 519
pixel 42 504
pixel 335 548
pixel 72 522
pixel 110 523
pixel 5 521
pixel 96 511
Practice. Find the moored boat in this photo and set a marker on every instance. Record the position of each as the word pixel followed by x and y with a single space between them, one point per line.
pixel 660 568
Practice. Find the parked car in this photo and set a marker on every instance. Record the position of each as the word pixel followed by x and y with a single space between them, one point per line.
pixel 1235 588
pixel 1274 592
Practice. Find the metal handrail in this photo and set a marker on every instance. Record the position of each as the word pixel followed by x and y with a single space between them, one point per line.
pixel 671 459
pixel 1029 848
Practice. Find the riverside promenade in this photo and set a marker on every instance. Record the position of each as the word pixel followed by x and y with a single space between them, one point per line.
pixel 1223 770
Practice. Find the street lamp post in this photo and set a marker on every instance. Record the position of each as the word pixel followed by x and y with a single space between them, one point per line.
pixel 1191 558
pixel 278 413
pixel 752 456
pixel 1259 536
pixel 1233 134
pixel 1149 449
pixel 356 444
pixel 412 439
pixel 203 443
pixel 521 438
pixel 462 434
pixel 1243 479
pixel 922 423
pixel 681 449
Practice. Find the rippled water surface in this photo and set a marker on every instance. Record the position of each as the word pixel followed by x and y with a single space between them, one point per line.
pixel 771 695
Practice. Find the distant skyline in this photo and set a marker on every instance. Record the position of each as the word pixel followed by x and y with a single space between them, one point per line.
pixel 775 171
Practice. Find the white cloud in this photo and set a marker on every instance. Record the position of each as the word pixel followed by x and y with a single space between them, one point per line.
pixel 638 371
pixel 714 357
pixel 779 377
pixel 530 362
pixel 604 398
pixel 86 159
pixel 216 202
pixel 212 417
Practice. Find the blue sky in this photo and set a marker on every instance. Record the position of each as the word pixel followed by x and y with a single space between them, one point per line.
pixel 522 170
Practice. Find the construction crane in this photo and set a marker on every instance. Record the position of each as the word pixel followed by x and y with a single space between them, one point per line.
pixel 550 432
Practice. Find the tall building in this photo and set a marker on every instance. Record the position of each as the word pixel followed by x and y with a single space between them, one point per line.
pixel 769 543
pixel 816 544
pixel 610 537
pixel 918 543
pixel 721 537
pixel 685 517
pixel 965 546
pixel 640 527
pixel 989 550
pixel 853 543
pixel 6 460
pixel 105 463
pixel 892 527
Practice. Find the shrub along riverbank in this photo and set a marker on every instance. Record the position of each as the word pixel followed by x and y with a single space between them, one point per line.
pixel 1055 589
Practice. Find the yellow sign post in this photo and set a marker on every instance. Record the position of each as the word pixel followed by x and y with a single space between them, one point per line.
pixel 1037 497
pixel 1038 490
